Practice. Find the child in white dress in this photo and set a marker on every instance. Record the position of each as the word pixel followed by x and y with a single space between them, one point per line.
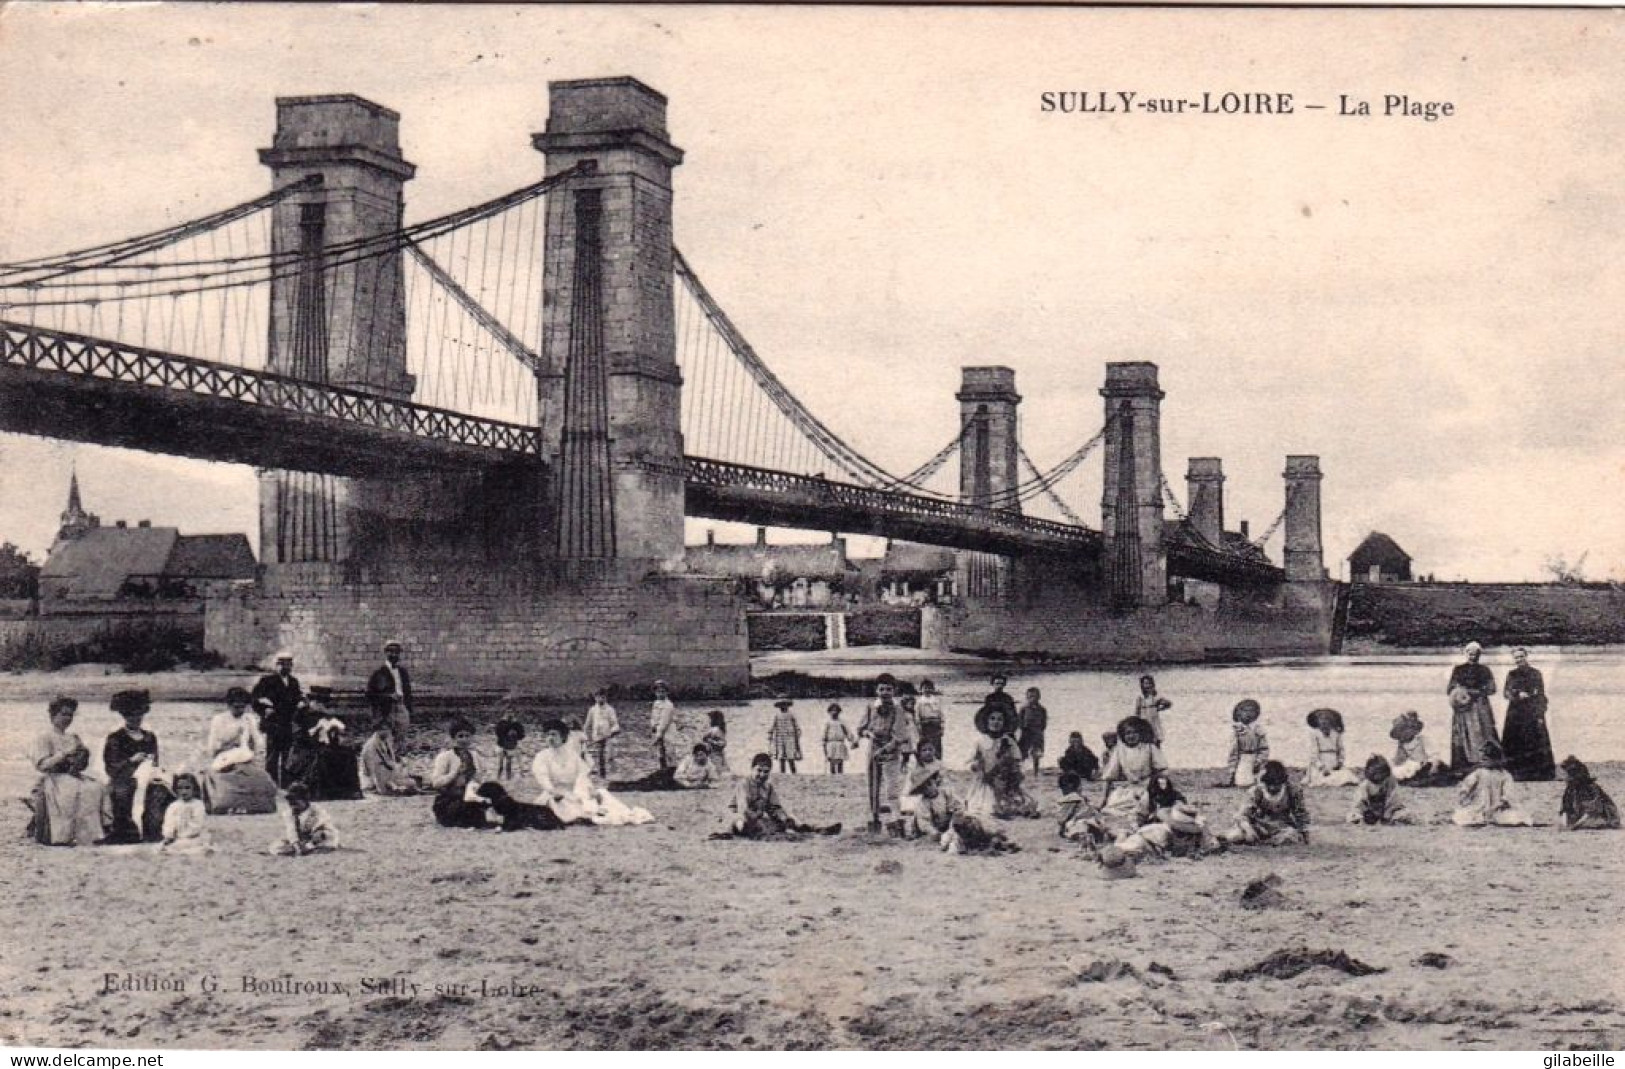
pixel 184 832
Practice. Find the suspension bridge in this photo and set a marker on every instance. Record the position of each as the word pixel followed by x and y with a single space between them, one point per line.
pixel 550 346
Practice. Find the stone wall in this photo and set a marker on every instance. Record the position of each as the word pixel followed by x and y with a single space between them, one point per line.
pixel 1055 611
pixel 532 631
pixel 79 628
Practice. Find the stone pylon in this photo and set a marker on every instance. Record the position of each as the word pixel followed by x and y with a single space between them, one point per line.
pixel 989 466
pixel 1302 554
pixel 1131 498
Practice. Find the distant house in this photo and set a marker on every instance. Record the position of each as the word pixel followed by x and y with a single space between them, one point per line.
pixel 914 574
pixel 1379 560
pixel 91 566
pixel 813 576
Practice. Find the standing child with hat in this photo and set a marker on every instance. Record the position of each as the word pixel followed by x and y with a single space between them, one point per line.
pixel 928 710
pixel 663 729
pixel 601 727
pixel 1482 799
pixel 715 739
pixel 1377 801
pixel 838 740
pixel 1150 705
pixel 889 733
pixel 1326 767
pixel 785 736
pixel 1249 748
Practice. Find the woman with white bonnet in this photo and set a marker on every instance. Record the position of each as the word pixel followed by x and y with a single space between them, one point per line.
pixel 1473 722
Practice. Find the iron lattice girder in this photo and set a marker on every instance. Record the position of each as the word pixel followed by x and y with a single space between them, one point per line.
pixel 64 385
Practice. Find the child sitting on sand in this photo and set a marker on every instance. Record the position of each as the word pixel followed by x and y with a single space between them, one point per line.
pixel 1129 768
pixel 695 772
pixel 1377 800
pixel 1481 799
pixel 1080 821
pixel 1412 764
pixel 1274 813
pixel 183 820
pixel 1078 759
pixel 934 808
pixel 306 827
pixel 1326 767
pixel 1249 749
pixel 1586 806
pixel 716 740
pixel 1178 831
pixel 758 813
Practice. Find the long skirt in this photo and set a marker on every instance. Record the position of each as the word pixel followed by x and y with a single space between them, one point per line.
pixel 1470 728
pixel 886 787
pixel 1527 743
pixel 239 789
pixel 1505 817
pixel 122 825
pixel 452 810
pixel 67 810
pixel 1315 776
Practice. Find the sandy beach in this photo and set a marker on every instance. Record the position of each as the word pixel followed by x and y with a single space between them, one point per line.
pixel 653 937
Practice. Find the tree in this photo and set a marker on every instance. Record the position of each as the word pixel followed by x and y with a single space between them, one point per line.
pixel 19 576
pixel 1562 571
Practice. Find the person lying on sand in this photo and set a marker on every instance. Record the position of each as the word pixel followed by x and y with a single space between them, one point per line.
pixel 1274 813
pixel 758 813
pixel 1178 831
pixel 1377 800
pixel 1482 799
pixel 1586 806
pixel 697 771
pixel 306 827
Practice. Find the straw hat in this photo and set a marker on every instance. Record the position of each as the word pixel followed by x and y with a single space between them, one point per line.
pixel 1319 716
pixel 783 703
pixel 1246 711
pixel 1138 724
pixel 1406 724
pixel 985 713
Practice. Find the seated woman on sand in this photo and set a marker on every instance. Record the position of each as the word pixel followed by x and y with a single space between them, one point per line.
pixel 1377 800
pixel 455 776
pixel 565 777
pixel 66 803
pixel 1326 767
pixel 1586 806
pixel 382 771
pixel 1482 798
pixel 323 757
pixel 232 781
pixel 137 786
pixel 1129 768
pixel 1274 813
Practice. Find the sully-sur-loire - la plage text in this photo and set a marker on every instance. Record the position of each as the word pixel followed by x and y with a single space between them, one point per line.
pixel 1346 105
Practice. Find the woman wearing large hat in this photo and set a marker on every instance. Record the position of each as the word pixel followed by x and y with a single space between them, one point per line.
pixel 232 780
pixel 1472 721
pixel 136 797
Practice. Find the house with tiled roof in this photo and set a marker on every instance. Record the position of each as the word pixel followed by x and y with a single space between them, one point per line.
pixel 1379 559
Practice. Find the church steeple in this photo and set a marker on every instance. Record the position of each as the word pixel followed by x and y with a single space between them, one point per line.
pixel 75 520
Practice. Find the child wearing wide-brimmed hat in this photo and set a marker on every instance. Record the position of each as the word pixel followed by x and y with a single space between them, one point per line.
pixel 1411 761
pixel 1249 747
pixel 935 808
pixel 1483 797
pixel 1586 806
pixel 785 736
pixel 1377 800
pixel 1326 767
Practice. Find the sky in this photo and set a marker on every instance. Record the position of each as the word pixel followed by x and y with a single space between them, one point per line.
pixel 877 198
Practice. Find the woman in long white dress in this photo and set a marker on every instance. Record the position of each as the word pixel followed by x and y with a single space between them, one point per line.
pixel 232 782
pixel 67 804
pixel 564 775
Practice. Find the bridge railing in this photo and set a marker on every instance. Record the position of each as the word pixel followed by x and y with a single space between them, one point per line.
pixel 720 473
pixel 39 349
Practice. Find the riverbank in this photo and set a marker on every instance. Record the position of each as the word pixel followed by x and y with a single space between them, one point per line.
pixel 654 937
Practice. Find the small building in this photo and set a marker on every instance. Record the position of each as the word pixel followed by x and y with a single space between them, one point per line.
pixel 1379 559
pixel 805 576
pixel 914 574
pixel 92 567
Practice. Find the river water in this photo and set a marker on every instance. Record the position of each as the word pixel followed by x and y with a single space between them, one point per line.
pixel 1586 687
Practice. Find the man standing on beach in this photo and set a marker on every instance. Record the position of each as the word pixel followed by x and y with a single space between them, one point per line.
pixel 277 698
pixel 389 690
pixel 890 737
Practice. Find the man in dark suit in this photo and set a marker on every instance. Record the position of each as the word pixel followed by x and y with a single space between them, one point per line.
pixel 389 690
pixel 277 697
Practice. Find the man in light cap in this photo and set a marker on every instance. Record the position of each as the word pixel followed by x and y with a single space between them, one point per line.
pixel 389 689
pixel 277 697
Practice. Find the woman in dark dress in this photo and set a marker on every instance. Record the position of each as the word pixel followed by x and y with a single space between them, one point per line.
pixel 322 756
pixel 123 754
pixel 1524 738
pixel 1472 721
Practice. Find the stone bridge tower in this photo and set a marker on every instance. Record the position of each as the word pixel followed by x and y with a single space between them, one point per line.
pixel 989 466
pixel 1131 499
pixel 343 324
pixel 611 389
pixel 1204 495
pixel 1302 554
